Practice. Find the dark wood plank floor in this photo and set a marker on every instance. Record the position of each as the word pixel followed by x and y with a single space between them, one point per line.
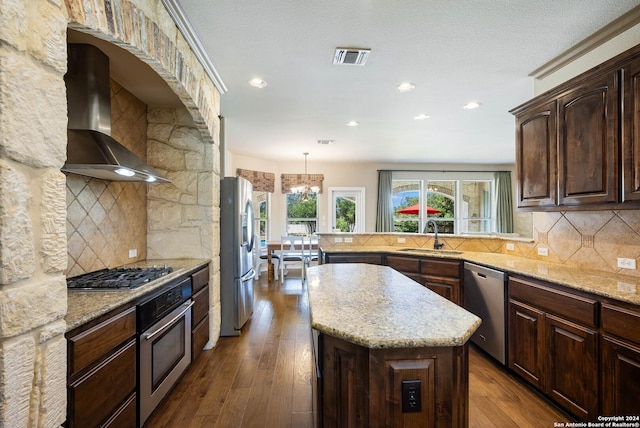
pixel 263 377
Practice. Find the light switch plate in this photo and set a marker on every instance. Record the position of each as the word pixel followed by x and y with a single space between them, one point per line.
pixel 133 253
pixel 511 246
pixel 337 240
pixel 542 251
pixel 401 240
pixel 348 239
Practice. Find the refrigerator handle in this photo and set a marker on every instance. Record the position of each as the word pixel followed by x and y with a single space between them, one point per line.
pixel 249 275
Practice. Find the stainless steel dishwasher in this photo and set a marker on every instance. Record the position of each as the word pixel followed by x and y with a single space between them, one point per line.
pixel 484 296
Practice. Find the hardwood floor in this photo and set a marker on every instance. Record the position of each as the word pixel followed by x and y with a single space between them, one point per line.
pixel 263 377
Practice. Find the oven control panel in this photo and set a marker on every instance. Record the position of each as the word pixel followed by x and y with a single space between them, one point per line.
pixel 156 307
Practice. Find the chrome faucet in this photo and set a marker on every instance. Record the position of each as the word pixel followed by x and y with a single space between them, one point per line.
pixel 436 245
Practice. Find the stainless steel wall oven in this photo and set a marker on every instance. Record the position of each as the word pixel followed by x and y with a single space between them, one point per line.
pixel 164 326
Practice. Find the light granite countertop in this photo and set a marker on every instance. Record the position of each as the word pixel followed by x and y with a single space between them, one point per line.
pixel 378 307
pixel 84 306
pixel 624 288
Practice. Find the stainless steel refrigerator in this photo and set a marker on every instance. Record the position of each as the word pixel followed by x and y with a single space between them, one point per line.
pixel 236 254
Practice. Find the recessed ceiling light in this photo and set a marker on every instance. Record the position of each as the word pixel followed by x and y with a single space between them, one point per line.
pixel 471 105
pixel 421 116
pixel 352 123
pixel 257 83
pixel 406 86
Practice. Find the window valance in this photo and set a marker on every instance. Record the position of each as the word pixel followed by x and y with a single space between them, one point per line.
pixel 262 181
pixel 302 183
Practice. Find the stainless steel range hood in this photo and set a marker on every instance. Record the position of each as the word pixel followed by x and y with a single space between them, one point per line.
pixel 91 150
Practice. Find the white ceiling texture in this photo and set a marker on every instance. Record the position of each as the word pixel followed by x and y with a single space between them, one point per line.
pixel 454 51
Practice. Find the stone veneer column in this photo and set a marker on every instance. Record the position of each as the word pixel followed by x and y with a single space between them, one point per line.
pixel 184 215
pixel 33 298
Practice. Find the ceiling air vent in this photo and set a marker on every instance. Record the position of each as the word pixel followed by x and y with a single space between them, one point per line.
pixel 351 56
pixel 326 142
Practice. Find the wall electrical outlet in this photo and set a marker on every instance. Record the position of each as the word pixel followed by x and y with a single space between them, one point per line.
pixel 348 239
pixel 401 240
pixel 626 263
pixel 133 253
pixel 511 246
pixel 337 240
pixel 542 251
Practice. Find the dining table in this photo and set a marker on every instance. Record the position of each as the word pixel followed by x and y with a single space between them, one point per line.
pixel 274 246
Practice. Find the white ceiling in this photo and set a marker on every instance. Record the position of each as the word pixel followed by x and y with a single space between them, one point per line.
pixel 454 51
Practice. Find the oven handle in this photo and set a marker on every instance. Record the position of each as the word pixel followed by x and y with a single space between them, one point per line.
pixel 148 336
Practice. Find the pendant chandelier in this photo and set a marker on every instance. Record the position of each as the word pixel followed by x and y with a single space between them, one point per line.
pixel 305 184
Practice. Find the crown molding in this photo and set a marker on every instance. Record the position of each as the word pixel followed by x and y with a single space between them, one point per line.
pixel 598 38
pixel 189 33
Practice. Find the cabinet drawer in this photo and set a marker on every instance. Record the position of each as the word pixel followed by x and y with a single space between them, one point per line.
pixel 100 392
pixel 199 338
pixel 200 306
pixel 404 264
pixel 200 279
pixel 566 304
pixel 92 344
pixel 125 416
pixel 622 322
pixel 372 259
pixel 437 267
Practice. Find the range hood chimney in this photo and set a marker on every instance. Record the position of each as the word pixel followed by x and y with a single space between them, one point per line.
pixel 90 149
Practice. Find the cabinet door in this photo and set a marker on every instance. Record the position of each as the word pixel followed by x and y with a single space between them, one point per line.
pixel 588 143
pixel 448 288
pixel 536 157
pixel 620 374
pixel 526 342
pixel 631 132
pixel 572 367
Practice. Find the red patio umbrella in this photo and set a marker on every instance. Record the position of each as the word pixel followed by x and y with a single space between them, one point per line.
pixel 415 209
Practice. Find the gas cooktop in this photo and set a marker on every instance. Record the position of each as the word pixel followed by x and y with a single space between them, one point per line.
pixel 117 278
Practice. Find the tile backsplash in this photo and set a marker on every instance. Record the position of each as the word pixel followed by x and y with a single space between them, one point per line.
pixel 593 240
pixel 106 219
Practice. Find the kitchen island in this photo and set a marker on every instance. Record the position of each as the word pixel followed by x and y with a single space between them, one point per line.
pixel 387 351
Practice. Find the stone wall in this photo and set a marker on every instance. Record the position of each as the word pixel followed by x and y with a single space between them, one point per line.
pixel 33 299
pixel 33 247
pixel 183 213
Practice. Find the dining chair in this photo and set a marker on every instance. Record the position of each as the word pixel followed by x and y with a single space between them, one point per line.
pixel 309 252
pixel 290 254
pixel 260 257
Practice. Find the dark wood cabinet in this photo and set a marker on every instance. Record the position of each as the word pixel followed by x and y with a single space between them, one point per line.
pixel 443 277
pixel 588 142
pixel 631 134
pixel 577 144
pixel 370 258
pixel 572 366
pixel 553 343
pixel 200 312
pixel 526 340
pixel 620 351
pixel 536 156
pixel 362 387
pixel 102 371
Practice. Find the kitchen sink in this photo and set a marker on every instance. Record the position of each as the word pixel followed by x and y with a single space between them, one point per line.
pixel 430 251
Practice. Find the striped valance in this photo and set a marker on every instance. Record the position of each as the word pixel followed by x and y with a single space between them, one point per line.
pixel 293 183
pixel 262 181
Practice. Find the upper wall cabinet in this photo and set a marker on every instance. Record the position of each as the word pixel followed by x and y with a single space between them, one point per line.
pixel 631 134
pixel 536 156
pixel 575 149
